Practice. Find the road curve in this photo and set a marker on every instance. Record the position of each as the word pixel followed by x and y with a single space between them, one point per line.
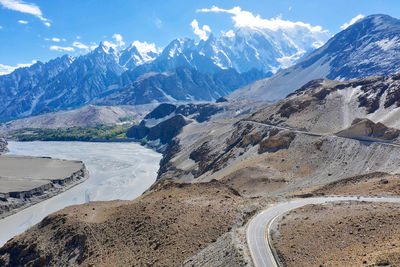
pixel 258 228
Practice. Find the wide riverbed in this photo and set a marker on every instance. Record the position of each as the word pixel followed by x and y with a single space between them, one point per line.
pixel 116 171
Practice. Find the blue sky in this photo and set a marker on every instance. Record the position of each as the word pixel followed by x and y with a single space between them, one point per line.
pixel 44 29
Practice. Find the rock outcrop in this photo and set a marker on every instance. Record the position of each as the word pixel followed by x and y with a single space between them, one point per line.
pixel 163 131
pixel 162 111
pixel 166 121
pixel 282 140
pixel 367 130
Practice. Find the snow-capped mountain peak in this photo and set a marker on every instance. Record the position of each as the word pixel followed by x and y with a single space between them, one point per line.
pixel 369 47
pixel 138 53
pixel 247 48
pixel 107 47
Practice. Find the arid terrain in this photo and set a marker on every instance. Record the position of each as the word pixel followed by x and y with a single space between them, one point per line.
pixel 166 226
pixel 256 157
pixel 255 120
pixel 39 179
pixel 340 234
pixel 371 184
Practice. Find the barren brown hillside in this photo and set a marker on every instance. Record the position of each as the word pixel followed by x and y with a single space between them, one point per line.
pixel 340 234
pixel 371 184
pixel 162 228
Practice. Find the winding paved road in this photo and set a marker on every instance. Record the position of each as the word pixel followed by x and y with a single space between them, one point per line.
pixel 258 228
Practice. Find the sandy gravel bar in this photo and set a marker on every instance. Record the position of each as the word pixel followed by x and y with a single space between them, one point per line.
pixel 25 180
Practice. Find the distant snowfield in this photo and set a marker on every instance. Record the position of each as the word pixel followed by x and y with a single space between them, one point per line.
pixel 117 171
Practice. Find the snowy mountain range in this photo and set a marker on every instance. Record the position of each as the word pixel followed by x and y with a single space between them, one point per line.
pixel 370 47
pixel 67 82
pixel 99 78
pixel 146 74
pixel 247 48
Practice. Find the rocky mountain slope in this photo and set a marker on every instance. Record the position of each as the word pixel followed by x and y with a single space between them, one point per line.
pixel 369 47
pixel 21 88
pixel 326 106
pixel 178 85
pixel 164 227
pixel 258 159
pixel 89 115
pixel 73 83
pixel 291 144
pixel 375 183
pixel 97 78
pixel 160 126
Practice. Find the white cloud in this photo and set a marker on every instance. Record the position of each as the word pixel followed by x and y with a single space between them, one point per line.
pixel 78 37
pixel 5 69
pixel 80 45
pixel 243 19
pixel 118 38
pixel 22 22
pixel 158 22
pixel 93 46
pixel 352 21
pixel 62 48
pixel 1 27
pixel 56 39
pixel 200 32
pixel 229 34
pixel 23 7
pixel 114 45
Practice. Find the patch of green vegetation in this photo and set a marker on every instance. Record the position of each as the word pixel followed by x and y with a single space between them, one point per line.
pixel 143 141
pixel 125 119
pixel 99 133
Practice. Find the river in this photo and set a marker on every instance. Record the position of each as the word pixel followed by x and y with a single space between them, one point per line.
pixel 116 171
